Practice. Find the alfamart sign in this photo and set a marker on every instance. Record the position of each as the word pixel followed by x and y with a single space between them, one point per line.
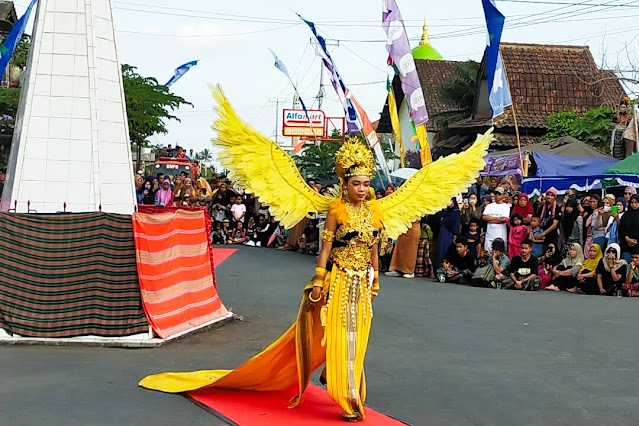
pixel 295 123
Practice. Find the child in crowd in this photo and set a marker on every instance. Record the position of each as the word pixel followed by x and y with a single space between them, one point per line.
pixel 523 271
pixel 518 233
pixel 423 264
pixel 533 235
pixel 483 255
pixel 238 211
pixel 239 234
pixel 217 209
pixel 473 236
pixel 228 231
pixel 251 232
pixel 218 237
pixel 447 272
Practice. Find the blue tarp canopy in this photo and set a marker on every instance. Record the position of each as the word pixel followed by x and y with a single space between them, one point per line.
pixel 562 172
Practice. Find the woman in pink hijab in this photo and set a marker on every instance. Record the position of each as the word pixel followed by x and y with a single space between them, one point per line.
pixel 164 197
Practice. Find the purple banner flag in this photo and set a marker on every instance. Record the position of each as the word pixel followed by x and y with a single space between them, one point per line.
pixel 400 52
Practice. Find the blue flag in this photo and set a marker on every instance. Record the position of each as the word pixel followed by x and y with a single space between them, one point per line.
pixel 12 40
pixel 180 71
pixel 336 78
pixel 498 91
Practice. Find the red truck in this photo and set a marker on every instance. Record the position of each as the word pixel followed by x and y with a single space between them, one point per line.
pixel 175 166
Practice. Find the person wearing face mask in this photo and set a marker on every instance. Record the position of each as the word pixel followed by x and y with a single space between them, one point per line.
pixel 472 210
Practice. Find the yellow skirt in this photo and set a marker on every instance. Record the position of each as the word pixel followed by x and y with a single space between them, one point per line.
pixel 335 332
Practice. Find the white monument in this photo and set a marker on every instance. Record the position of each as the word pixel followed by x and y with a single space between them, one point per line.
pixel 71 140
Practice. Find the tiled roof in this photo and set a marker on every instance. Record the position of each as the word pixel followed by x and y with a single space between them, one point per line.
pixel 544 80
pixel 502 141
pixel 432 74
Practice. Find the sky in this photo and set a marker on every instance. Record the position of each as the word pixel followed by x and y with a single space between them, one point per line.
pixel 232 40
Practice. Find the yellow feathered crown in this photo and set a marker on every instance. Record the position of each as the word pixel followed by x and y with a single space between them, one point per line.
pixel 354 159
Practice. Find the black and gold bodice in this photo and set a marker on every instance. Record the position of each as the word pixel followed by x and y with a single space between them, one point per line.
pixel 354 240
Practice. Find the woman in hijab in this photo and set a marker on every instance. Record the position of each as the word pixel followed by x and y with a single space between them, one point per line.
pixel 587 276
pixel 611 271
pixel 189 190
pixel 571 224
pixel 549 217
pixel 547 262
pixel 629 192
pixel 564 274
pixel 178 191
pixel 164 197
pixel 629 227
pixel 449 220
pixel 612 229
pixel 146 194
pixel 524 208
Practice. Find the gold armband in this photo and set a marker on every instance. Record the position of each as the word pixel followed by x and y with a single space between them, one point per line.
pixel 318 278
pixel 328 236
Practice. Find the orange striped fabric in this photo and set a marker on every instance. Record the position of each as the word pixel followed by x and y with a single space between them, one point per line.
pixel 176 271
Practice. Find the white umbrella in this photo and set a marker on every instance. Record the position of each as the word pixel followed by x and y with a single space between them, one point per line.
pixel 404 173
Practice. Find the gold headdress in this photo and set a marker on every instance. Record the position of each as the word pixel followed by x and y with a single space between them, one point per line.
pixel 354 158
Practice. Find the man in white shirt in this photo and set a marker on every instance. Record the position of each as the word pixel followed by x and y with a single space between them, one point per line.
pixel 496 215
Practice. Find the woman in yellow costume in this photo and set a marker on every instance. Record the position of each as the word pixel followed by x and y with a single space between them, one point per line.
pixel 336 311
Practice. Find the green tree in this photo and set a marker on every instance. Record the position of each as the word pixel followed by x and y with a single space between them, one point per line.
pixel 593 127
pixel 205 156
pixel 461 91
pixel 148 104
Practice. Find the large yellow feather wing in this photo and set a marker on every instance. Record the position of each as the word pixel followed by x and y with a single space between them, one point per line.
pixel 431 188
pixel 263 167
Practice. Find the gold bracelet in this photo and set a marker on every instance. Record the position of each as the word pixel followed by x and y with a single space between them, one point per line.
pixel 312 300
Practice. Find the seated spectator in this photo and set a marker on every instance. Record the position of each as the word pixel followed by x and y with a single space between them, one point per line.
pixel 523 271
pixel 228 231
pixel 486 275
pixel 564 275
pixel 164 197
pixel 251 232
pixel 238 210
pixel 587 276
pixel 239 234
pixel 219 236
pixel 547 262
pixel 309 241
pixel 631 286
pixel 611 271
pixel 483 255
pixel 278 239
pixel 461 261
pixel 261 233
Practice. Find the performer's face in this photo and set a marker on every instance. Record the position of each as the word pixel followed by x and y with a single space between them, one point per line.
pixel 358 187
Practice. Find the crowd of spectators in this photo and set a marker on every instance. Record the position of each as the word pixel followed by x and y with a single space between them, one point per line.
pixel 237 217
pixel 495 236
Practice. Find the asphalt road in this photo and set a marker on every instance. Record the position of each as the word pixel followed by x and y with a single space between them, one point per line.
pixel 439 354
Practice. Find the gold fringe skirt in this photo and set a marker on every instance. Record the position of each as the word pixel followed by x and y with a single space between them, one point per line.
pixel 335 332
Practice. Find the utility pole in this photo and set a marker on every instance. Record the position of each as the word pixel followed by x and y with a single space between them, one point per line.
pixel 321 94
pixel 277 115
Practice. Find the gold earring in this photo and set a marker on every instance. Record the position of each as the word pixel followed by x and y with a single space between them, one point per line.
pixel 344 192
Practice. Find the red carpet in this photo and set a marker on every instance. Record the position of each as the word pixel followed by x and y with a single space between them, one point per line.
pixel 270 408
pixel 221 254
